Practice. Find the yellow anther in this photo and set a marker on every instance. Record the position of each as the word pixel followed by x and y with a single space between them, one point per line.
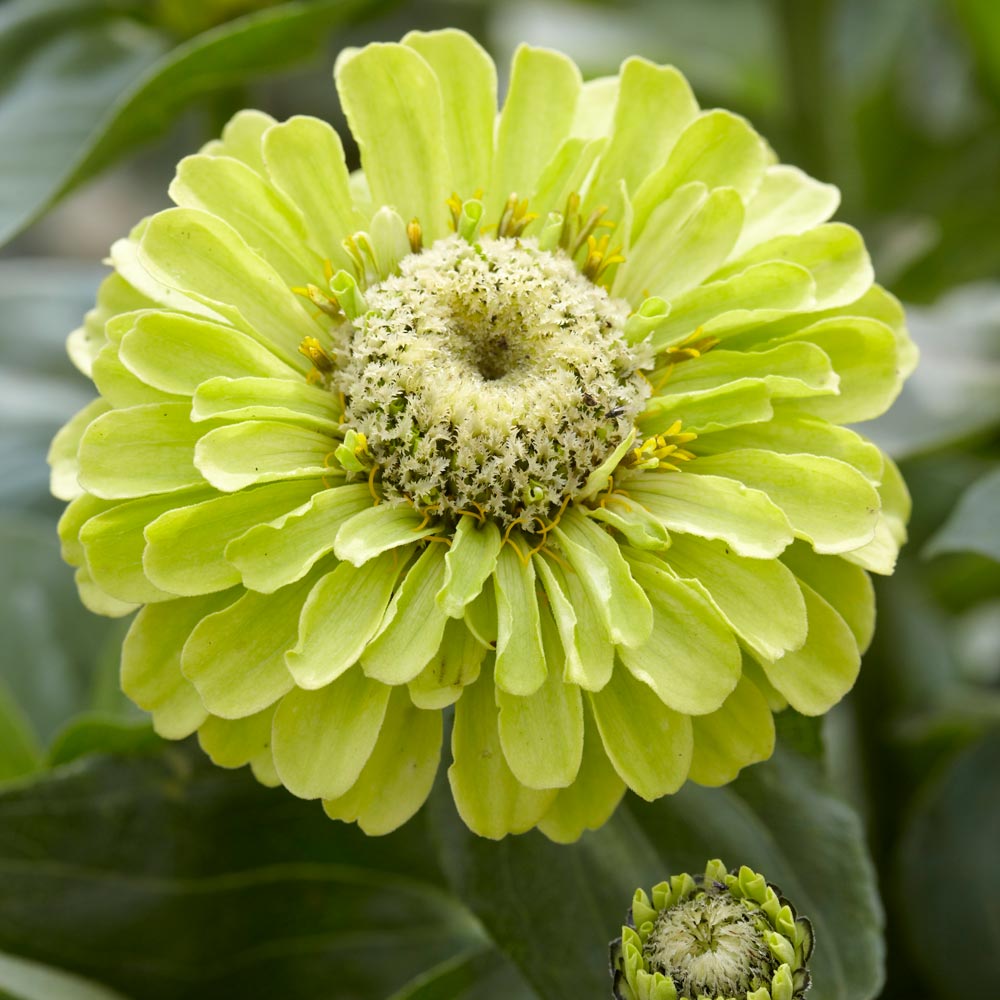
pixel 454 204
pixel 515 217
pixel 312 349
pixel 415 234
pixel 319 298
pixel 328 268
pixel 599 258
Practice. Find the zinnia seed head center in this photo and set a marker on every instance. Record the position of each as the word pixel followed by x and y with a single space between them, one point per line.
pixel 711 945
pixel 490 375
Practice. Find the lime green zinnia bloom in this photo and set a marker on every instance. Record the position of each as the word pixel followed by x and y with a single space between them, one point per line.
pixel 718 936
pixel 538 415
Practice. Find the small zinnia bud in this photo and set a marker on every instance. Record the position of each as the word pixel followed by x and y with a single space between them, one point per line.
pixel 725 935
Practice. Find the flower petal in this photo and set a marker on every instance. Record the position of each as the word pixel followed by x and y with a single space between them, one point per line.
pixel 598 561
pixel 267 398
pixel 589 802
pixel 378 529
pixel 399 128
pixel 490 800
pixel 237 742
pixel 399 774
pixel 815 677
pixel 185 546
pixel 62 456
pixel 151 663
pixel 648 744
pixel 241 138
pixel 454 666
pixel 341 614
pixel 236 657
pixel 541 734
pixel 758 597
pixel 714 507
pixel 269 556
pixel 521 665
pixel 261 451
pixel 827 502
pixel 469 563
pixel 305 160
pixel 413 624
pixel 746 401
pixel 536 118
pixel 119 386
pixel 739 733
pixel 691 660
pixel 468 81
pixel 322 739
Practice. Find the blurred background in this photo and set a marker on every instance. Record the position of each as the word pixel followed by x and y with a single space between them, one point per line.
pixel 128 869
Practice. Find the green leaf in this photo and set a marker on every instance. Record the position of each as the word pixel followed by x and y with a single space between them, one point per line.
pixel 24 980
pixel 973 526
pixel 19 751
pixel 781 818
pixel 473 976
pixel 98 733
pixel 83 84
pixel 214 887
pixel 947 856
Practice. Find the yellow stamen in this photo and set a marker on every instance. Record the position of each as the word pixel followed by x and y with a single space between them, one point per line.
pixel 415 234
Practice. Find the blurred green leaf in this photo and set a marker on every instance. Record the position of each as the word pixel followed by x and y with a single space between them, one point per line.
pixel 19 750
pixel 948 888
pixel 23 980
pixel 974 524
pixel 164 876
pixel 94 733
pixel 482 974
pixel 553 909
pixel 954 394
pixel 80 89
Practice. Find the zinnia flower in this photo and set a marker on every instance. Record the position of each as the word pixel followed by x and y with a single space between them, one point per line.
pixel 724 935
pixel 538 415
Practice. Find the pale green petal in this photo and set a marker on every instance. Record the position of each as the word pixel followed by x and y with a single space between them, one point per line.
pixel 413 624
pixel 177 353
pixel 490 800
pixel 269 556
pixel 827 502
pixel 772 287
pixel 789 370
pixel 717 149
pixel 119 386
pixel 520 662
pixel 788 202
pixel 398 776
pixel 455 665
pixel 387 526
pixel 342 613
pixel 542 734
pixel 834 254
pixel 536 117
pixel 747 401
pixel 758 597
pixel 399 128
pixel 468 81
pixel 815 677
pixel 96 600
pixel 654 105
pixel 595 556
pixel 793 433
pixel 321 740
pixel 267 399
pixel 205 258
pixel 62 456
pixel 590 655
pixel 242 135
pixel 634 521
pixel 261 451
pixel 595 108
pixel 588 803
pixel 114 295
pixel 481 617
pixel 714 507
pixel 76 514
pixel 114 543
pixel 240 196
pixel 846 587
pixel 676 252
pixel 263 769
pixel 305 160
pixel 469 563
pixel 692 659
pixel 563 175
pixel 185 547
pixel 236 742
pixel 879 556
pixel 648 744
pixel 741 732
pixel 140 450
pixel 863 352
pixel 236 657
pixel 151 663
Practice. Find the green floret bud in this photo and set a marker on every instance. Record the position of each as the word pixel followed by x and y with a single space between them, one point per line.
pixel 719 935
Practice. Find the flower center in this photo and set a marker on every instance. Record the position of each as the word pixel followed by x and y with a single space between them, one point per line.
pixel 710 944
pixel 490 376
